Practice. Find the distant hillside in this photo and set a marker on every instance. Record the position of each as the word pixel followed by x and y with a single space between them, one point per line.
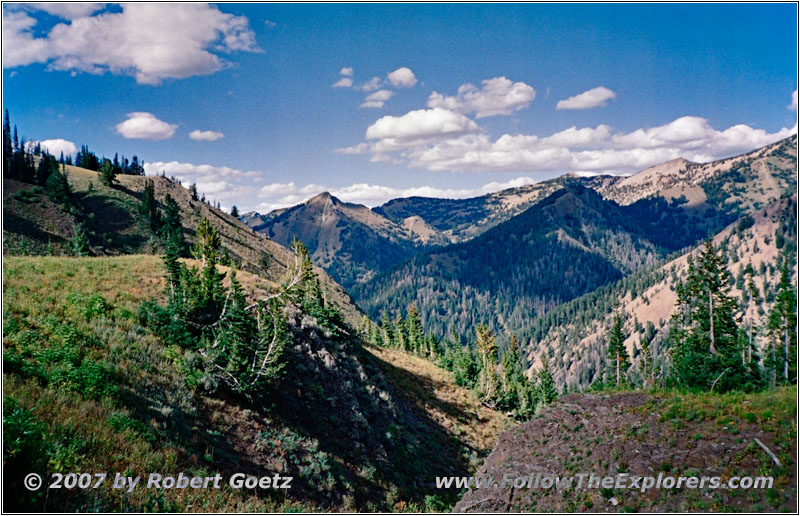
pixel 566 245
pixel 573 337
pixel 728 186
pixel 637 434
pixel 33 224
pixel 350 241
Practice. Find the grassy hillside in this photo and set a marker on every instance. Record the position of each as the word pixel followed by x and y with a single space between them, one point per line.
pixel 34 225
pixel 640 434
pixel 87 387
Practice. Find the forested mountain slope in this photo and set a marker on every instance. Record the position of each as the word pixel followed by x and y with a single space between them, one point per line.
pixel 350 241
pixel 568 244
pixel 573 337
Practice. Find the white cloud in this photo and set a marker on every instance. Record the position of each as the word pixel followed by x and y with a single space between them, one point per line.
pixel 402 78
pixel 56 146
pixel 498 96
pixel 440 142
pixel 271 24
pixel 145 126
pixel 422 123
pixel 149 41
pixel 344 82
pixel 793 105
pixel 67 10
pixel 205 136
pixel 346 71
pixel 371 85
pixel 283 195
pixel 596 97
pixel 377 99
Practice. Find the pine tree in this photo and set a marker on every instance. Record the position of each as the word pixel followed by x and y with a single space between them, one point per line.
pixel 513 377
pixel 235 211
pixel 547 386
pixel 8 146
pixel 58 188
pixel 388 329
pixel 704 330
pixel 414 330
pixel 782 330
pixel 487 352
pixel 79 245
pixel 149 209
pixel 108 175
pixel 193 191
pixel 618 359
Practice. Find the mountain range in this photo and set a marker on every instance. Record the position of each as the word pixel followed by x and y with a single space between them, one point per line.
pixel 508 257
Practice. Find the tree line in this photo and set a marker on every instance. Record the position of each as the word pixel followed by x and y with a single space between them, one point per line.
pixel 711 345
pixel 500 382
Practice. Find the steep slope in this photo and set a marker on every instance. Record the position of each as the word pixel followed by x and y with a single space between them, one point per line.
pixel 736 185
pixel 573 336
pixel 33 224
pixel 461 219
pixel 718 189
pixel 566 245
pixel 88 388
pixel 349 241
pixel 637 435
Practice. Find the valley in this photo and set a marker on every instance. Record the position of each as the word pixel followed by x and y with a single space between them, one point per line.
pixel 419 339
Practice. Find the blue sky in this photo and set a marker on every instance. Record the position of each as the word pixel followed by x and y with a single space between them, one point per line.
pixel 463 99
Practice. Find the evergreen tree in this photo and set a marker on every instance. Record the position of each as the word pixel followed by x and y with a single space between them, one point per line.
pixel 58 188
pixel 618 359
pixel 547 392
pixel 414 342
pixel 487 351
pixel 388 330
pixel 782 330
pixel 8 146
pixel 108 175
pixel 79 245
pixel 193 191
pixel 149 209
pixel 235 211
pixel 704 329
pixel 512 378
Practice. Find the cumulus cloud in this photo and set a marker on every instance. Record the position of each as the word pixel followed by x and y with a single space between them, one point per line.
pixel 56 146
pixel 145 126
pixel 402 78
pixel 441 142
pixel 371 85
pixel 67 10
pixel 205 136
pixel 793 104
pixel 420 124
pixel 346 80
pixel 282 195
pixel 596 97
pixel 246 189
pixel 377 99
pixel 498 96
pixel 149 41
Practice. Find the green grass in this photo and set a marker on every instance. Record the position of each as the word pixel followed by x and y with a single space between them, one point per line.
pixel 88 389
